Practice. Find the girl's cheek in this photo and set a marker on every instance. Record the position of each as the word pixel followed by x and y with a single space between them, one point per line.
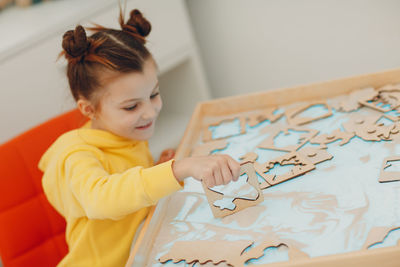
pixel 134 117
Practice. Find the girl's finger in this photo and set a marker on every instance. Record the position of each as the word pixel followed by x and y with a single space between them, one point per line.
pixel 234 167
pixel 212 181
pixel 218 176
pixel 226 173
pixel 209 181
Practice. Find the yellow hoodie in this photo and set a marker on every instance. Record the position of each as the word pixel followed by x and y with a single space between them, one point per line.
pixel 103 185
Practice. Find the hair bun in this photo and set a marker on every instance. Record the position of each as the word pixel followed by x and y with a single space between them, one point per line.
pixel 137 24
pixel 75 42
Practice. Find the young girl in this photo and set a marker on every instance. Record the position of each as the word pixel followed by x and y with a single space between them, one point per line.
pixel 101 177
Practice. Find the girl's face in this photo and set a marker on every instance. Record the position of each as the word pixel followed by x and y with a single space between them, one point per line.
pixel 130 104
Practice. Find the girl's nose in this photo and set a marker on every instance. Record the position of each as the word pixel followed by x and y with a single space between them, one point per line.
pixel 149 112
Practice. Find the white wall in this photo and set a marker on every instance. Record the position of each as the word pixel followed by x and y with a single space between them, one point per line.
pixel 254 45
pixel 34 88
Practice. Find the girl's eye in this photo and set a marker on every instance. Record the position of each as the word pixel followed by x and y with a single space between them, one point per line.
pixel 131 107
pixel 154 95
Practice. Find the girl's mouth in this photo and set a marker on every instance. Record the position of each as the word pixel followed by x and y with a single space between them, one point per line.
pixel 144 127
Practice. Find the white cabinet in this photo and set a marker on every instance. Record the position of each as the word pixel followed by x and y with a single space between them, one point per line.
pixel 33 85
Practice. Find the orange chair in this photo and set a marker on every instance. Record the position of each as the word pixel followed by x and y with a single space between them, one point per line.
pixel 32 233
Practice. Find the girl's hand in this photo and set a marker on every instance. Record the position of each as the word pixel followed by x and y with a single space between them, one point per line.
pixel 212 170
pixel 166 155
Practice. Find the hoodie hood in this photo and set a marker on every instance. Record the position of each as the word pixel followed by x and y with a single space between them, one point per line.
pixel 82 137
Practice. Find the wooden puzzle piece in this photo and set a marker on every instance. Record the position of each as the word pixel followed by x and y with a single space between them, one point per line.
pixel 391 97
pixel 239 189
pixel 369 128
pixel 233 253
pixel 350 102
pixel 202 251
pixel 389 176
pixel 394 114
pixel 315 155
pixel 391 94
pixel 293 114
pixel 269 142
pixel 301 166
pixel 240 203
pixel 207 134
pixel 263 115
pixel 396 128
pixel 385 99
pixel 377 234
pixel 375 103
pixel 248 157
pixel 206 148
pixel 259 251
pixel 324 139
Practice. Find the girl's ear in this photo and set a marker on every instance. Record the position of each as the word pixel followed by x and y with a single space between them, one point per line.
pixel 86 108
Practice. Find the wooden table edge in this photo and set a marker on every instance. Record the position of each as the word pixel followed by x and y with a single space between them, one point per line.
pixel 139 240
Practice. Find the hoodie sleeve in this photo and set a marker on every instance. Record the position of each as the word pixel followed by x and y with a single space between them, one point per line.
pixel 111 196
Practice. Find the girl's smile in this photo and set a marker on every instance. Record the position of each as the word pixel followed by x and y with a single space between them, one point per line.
pixel 145 127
